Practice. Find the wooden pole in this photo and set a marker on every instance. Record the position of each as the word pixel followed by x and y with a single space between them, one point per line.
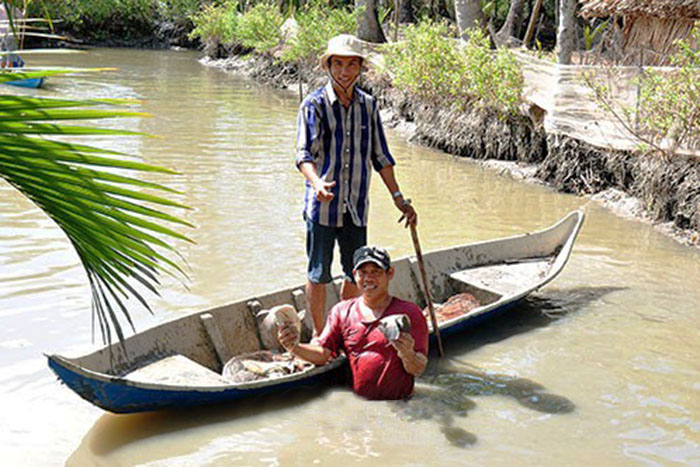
pixel 533 21
pixel 421 266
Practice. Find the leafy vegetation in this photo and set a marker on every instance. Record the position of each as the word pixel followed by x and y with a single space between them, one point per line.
pixel 666 114
pixel 259 27
pixel 316 23
pixel 216 24
pixel 108 19
pixel 430 64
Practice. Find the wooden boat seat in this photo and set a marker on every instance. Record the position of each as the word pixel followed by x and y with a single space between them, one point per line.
pixel 502 279
pixel 177 370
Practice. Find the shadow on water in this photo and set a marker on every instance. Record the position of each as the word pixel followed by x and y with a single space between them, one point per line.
pixel 536 311
pixel 447 389
pixel 113 431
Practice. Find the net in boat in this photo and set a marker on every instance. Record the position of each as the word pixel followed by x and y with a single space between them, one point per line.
pixel 262 365
pixel 456 305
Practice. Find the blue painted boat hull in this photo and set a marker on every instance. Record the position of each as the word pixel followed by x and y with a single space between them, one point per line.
pixel 27 83
pixel 121 397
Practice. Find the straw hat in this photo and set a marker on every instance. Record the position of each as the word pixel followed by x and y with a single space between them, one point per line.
pixel 344 45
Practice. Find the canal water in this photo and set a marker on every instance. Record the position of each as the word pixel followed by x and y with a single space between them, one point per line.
pixel 599 367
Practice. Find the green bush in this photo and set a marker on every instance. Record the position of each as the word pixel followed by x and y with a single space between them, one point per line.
pixel 75 14
pixel 317 23
pixel 216 24
pixel 259 27
pixel 666 114
pixel 669 107
pixel 434 66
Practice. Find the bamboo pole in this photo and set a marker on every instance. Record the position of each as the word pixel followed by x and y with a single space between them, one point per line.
pixel 428 298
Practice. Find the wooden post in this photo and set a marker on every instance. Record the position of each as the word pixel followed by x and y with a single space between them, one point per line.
pixel 426 287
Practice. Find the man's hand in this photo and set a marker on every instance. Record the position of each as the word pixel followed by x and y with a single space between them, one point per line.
pixel 404 344
pixel 407 212
pixel 413 362
pixel 322 190
pixel 288 337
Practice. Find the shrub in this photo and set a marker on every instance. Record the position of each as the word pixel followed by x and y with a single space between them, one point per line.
pixel 259 27
pixel 216 24
pixel 666 114
pixel 432 65
pixel 669 107
pixel 317 23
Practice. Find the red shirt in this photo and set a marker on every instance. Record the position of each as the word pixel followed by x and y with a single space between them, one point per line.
pixel 377 370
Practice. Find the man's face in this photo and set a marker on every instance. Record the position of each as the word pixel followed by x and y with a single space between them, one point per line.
pixel 345 69
pixel 372 280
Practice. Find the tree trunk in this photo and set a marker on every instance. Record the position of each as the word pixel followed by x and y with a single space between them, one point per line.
pixel 566 32
pixel 368 28
pixel 505 35
pixel 469 15
pixel 406 14
pixel 533 21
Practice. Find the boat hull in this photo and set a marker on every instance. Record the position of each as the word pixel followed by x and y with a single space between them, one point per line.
pixel 119 396
pixel 27 83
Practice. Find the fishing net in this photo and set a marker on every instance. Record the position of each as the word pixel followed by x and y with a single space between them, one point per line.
pixel 262 365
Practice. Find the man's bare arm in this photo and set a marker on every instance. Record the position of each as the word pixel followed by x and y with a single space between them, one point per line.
pixel 287 336
pixel 413 362
pixel 409 213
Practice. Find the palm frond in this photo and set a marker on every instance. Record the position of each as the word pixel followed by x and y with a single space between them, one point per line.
pixel 89 193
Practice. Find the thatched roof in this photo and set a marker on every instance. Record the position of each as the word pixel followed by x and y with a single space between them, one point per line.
pixel 672 9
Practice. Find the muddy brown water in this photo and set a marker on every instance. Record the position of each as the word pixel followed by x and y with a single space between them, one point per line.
pixel 599 367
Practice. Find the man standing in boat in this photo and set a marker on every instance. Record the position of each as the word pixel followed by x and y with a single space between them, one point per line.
pixel 340 140
pixel 381 368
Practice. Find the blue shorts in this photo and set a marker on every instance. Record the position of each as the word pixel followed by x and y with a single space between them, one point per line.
pixel 320 241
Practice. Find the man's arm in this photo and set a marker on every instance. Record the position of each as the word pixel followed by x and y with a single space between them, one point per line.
pixel 408 212
pixel 321 187
pixel 287 336
pixel 413 362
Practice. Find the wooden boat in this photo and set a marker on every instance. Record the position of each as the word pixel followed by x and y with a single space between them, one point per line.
pixel 27 83
pixel 179 363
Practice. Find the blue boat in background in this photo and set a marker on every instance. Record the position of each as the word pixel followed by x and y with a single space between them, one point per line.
pixel 27 83
pixel 179 363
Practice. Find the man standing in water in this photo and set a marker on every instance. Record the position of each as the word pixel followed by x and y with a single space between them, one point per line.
pixel 339 140
pixel 381 368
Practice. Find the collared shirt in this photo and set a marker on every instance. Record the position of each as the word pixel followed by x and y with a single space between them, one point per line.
pixel 345 144
pixel 377 369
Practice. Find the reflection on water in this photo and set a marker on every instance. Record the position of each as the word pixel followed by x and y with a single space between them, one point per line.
pixel 598 367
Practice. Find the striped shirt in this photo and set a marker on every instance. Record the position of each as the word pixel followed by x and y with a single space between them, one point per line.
pixel 345 144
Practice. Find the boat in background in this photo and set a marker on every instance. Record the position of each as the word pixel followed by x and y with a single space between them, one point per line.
pixel 179 363
pixel 26 83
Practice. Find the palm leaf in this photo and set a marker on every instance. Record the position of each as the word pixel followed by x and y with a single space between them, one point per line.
pixel 90 194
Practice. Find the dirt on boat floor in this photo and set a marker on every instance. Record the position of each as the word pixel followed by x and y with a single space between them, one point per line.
pixel 663 192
